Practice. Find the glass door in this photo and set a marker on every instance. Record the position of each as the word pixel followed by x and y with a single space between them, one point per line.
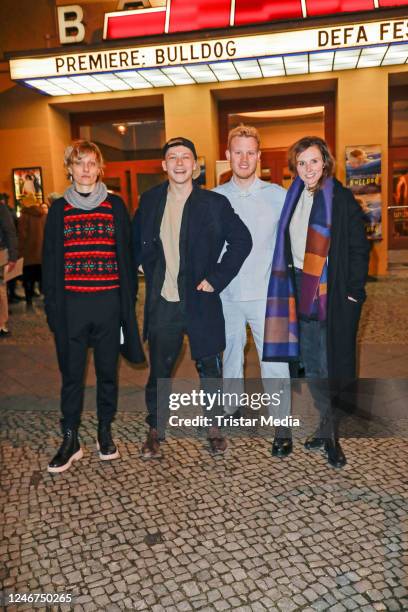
pixel 398 209
pixel 398 169
pixel 132 178
pixel 131 142
pixel 280 121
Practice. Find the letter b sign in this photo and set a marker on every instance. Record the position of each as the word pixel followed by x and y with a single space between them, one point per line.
pixel 70 26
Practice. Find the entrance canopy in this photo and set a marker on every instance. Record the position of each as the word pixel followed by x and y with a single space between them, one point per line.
pixel 325 49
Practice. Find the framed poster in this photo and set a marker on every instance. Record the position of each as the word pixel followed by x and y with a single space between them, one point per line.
pixel 363 177
pixel 199 175
pixel 222 172
pixel 28 182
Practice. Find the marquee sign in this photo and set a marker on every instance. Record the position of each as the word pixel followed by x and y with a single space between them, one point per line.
pixel 212 50
pixel 188 15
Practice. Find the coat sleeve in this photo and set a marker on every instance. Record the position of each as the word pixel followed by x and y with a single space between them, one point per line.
pixel 49 268
pixel 127 237
pixel 136 239
pixel 238 246
pixel 9 232
pixel 359 251
pixel 22 234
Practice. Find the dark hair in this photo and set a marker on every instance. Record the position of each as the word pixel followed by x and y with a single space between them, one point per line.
pixel 179 141
pixel 312 141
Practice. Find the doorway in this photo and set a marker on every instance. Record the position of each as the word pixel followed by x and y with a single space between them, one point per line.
pixel 280 120
pixel 398 169
pixel 129 179
pixel 131 142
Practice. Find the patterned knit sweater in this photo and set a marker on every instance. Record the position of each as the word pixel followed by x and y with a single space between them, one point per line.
pixel 90 262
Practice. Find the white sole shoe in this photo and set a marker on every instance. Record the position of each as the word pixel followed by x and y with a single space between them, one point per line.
pixel 75 457
pixel 115 455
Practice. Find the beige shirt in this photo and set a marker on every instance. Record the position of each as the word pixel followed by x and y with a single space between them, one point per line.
pixel 170 237
pixel 298 228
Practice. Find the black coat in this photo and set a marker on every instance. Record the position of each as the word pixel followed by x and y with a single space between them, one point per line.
pixel 347 274
pixel 211 222
pixel 8 235
pixel 53 277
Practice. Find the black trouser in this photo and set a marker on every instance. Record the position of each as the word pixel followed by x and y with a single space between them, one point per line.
pixel 167 326
pixel 93 320
pixel 31 275
pixel 313 353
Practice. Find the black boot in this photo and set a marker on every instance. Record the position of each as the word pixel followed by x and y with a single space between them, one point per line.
pixel 68 452
pixel 282 444
pixel 334 452
pixel 105 444
pixel 282 447
pixel 315 442
pixel 323 433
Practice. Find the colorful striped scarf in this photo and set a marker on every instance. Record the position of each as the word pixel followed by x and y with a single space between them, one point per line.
pixel 281 336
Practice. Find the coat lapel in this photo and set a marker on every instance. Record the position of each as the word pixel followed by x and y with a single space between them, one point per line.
pixel 197 212
pixel 334 239
pixel 158 210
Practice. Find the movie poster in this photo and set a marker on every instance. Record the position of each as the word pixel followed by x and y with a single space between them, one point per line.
pixel 28 183
pixel 363 177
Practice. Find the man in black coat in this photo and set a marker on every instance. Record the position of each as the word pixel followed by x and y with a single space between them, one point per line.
pixel 179 232
pixel 90 290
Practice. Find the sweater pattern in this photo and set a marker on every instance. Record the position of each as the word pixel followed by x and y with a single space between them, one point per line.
pixel 90 262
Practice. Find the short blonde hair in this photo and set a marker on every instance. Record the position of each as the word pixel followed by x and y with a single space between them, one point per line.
pixel 77 151
pixel 248 131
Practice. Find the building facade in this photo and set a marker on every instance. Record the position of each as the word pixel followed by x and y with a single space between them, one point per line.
pixel 130 75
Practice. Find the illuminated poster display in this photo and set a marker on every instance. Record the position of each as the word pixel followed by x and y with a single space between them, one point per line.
pixel 363 177
pixel 187 16
pixel 212 50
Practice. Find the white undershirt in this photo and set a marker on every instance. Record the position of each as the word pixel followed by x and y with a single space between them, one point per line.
pixel 170 237
pixel 298 228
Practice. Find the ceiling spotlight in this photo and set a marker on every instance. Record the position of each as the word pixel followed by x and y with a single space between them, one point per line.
pixel 122 129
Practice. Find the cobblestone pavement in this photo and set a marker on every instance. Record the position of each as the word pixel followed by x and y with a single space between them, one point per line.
pixel 243 532
pixel 384 317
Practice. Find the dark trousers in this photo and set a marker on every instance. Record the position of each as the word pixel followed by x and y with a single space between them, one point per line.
pixel 93 320
pixel 313 353
pixel 167 326
pixel 31 275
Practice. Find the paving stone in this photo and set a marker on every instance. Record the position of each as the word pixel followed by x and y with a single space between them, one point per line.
pixel 319 605
pixel 338 608
pixel 190 589
pixel 189 532
pixel 285 604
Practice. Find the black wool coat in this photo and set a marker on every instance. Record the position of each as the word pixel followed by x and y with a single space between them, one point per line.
pixel 210 223
pixel 347 274
pixel 53 277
